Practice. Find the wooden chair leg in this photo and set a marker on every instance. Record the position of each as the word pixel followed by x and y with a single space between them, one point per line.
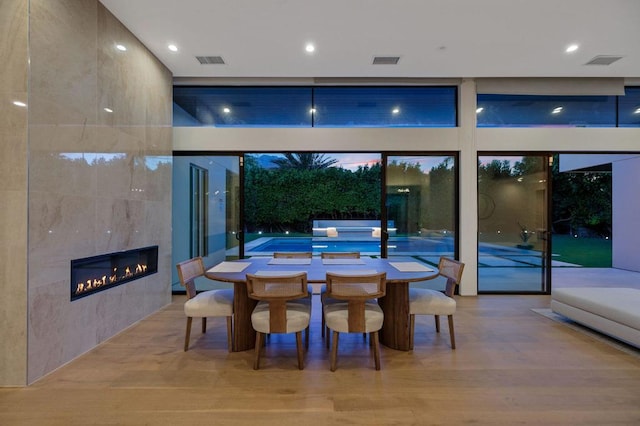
pixel 453 337
pixel 334 351
pixel 306 338
pixel 258 348
pixel 229 334
pixel 376 349
pixel 328 337
pixel 204 324
pixel 412 326
pixel 188 333
pixel 437 317
pixel 299 349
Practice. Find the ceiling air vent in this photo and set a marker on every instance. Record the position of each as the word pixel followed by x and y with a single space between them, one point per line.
pixel 603 60
pixel 210 60
pixel 385 60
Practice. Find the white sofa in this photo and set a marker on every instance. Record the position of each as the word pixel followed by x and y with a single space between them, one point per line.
pixel 612 311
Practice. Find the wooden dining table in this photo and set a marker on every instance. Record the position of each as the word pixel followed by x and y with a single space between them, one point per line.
pixel 395 305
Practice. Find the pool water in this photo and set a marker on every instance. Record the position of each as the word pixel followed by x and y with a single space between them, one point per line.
pixel 371 247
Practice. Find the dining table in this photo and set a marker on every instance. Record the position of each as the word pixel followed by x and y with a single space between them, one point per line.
pixel 395 304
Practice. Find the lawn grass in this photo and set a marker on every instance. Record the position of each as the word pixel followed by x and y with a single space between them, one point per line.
pixel 587 252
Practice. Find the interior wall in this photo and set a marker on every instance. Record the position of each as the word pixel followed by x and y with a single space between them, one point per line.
pixel 626 220
pixel 217 205
pixel 99 181
pixel 13 191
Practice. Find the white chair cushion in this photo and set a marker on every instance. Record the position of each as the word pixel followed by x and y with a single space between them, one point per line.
pixel 336 316
pixel 430 302
pixel 298 316
pixel 211 303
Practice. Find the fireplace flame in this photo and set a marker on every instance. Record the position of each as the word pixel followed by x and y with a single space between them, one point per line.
pixel 93 283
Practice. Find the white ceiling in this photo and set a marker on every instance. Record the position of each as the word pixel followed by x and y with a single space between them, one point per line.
pixel 434 38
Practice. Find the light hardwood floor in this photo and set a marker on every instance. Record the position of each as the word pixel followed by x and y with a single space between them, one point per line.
pixel 512 366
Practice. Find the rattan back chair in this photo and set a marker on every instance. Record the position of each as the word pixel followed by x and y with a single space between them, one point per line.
pixel 433 302
pixel 351 313
pixel 282 308
pixel 210 303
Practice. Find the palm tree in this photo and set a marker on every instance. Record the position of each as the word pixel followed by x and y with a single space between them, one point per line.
pixel 304 161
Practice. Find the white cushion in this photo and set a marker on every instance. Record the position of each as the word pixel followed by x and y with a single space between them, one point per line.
pixel 212 303
pixel 617 304
pixel 298 316
pixel 430 302
pixel 336 317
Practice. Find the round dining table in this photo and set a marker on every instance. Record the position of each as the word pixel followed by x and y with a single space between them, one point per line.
pixel 395 305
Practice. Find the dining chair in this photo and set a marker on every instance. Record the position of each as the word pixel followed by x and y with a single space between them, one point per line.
pixel 352 313
pixel 210 303
pixel 293 254
pixel 298 255
pixel 281 308
pixel 323 288
pixel 433 302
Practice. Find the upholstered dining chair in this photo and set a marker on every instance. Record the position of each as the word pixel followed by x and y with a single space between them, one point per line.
pixel 293 254
pixel 352 313
pixel 323 289
pixel 298 255
pixel 210 303
pixel 281 308
pixel 433 302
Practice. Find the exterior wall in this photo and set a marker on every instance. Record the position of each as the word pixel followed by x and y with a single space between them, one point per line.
pixel 626 217
pixel 99 181
pixel 13 191
pixel 468 140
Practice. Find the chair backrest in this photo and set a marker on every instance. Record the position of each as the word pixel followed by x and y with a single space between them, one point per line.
pixel 188 271
pixel 340 255
pixel 452 271
pixel 277 291
pixel 356 290
pixel 293 255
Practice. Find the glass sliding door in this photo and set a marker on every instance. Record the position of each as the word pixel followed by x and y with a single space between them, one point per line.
pixel 421 204
pixel 313 202
pixel 513 226
pixel 206 210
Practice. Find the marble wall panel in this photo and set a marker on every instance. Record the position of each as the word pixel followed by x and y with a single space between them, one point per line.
pixel 13 192
pixel 120 90
pixel 61 228
pixel 13 46
pixel 94 189
pixel 13 152
pixel 63 43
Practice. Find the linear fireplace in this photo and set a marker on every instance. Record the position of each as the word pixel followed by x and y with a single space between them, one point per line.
pixel 93 274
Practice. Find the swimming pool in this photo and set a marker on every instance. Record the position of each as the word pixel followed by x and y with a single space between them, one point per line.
pixel 398 245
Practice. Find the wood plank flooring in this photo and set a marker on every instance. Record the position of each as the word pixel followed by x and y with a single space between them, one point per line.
pixel 512 366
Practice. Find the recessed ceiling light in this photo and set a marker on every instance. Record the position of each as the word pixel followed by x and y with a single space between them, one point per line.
pixel 172 47
pixel 557 110
pixel 395 110
pixel 310 48
pixel 20 104
pixel 312 111
pixel 226 110
pixel 637 111
pixel 121 47
pixel 108 109
pixel 571 48
pixel 479 110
